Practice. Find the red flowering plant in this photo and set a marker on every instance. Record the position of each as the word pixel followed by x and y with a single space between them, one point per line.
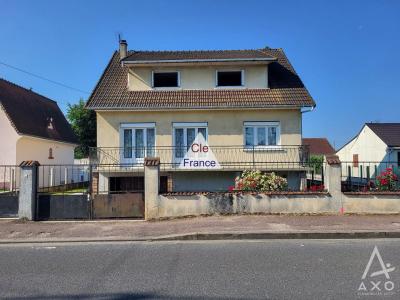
pixel 387 180
pixel 316 188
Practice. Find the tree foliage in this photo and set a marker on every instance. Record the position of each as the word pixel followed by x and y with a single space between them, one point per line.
pixel 316 162
pixel 83 122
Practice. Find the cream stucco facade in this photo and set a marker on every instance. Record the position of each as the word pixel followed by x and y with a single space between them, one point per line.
pixel 225 127
pixel 198 78
pixel 16 148
pixel 9 137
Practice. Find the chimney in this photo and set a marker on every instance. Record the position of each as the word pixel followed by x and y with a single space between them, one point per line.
pixel 123 49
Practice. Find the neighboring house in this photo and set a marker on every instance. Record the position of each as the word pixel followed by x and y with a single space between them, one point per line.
pixel 373 149
pixel 247 104
pixel 33 128
pixel 319 146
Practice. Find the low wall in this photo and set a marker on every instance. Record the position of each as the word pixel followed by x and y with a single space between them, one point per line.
pixel 178 205
pixel 371 203
pixel 332 202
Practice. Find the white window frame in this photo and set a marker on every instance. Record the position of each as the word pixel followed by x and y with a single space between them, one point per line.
pixel 228 86
pixel 185 126
pixel 133 127
pixel 266 125
pixel 167 87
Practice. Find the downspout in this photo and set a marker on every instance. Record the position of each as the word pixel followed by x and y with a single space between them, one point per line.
pixel 310 109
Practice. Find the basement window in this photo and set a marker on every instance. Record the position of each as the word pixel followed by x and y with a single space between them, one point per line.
pixel 165 79
pixel 230 78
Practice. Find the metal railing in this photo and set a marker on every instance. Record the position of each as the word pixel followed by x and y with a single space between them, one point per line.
pixel 9 179
pixel 288 157
pixel 370 176
pixel 64 179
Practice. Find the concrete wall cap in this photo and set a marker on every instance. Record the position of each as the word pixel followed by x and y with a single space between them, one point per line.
pixel 29 163
pixel 333 160
pixel 152 161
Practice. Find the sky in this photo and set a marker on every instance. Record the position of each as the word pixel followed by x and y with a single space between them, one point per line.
pixel 346 52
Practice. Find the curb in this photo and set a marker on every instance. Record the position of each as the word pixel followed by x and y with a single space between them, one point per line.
pixel 224 236
pixel 281 235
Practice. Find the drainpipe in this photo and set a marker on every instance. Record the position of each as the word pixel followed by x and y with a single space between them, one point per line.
pixel 310 109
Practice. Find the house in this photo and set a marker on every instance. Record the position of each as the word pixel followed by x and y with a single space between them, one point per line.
pixel 32 128
pixel 318 149
pixel 375 148
pixel 319 146
pixel 247 104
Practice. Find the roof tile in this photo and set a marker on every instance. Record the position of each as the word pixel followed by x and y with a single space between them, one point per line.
pixel 286 89
pixel 31 113
pixel 319 146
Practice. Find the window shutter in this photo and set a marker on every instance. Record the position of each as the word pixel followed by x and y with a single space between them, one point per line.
pixel 355 160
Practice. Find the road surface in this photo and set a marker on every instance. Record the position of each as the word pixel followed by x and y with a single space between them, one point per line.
pixel 269 269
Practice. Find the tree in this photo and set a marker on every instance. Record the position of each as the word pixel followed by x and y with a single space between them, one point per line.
pixel 316 162
pixel 83 123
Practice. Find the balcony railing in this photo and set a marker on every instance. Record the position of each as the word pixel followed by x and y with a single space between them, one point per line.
pixel 229 157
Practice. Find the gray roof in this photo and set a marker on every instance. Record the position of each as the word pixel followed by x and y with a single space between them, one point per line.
pixel 389 133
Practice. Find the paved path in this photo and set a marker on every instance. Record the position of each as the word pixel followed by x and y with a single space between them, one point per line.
pixel 279 269
pixel 14 230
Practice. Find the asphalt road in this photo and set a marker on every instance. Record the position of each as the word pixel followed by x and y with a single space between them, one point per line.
pixel 272 269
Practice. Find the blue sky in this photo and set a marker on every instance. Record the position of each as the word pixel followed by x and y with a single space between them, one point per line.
pixel 346 52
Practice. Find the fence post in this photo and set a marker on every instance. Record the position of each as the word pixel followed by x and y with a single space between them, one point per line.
pixel 333 180
pixel 151 187
pixel 12 180
pixel 28 190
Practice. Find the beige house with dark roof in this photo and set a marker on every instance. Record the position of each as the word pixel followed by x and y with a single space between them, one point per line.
pixel 247 104
pixel 32 127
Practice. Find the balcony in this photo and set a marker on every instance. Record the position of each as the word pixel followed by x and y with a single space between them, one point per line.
pixel 230 158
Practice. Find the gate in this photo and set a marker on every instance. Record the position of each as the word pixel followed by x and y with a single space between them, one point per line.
pixel 9 190
pixel 89 192
pixel 117 196
pixel 127 205
pixel 63 192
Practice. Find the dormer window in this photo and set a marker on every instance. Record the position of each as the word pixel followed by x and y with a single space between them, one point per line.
pixel 230 78
pixel 166 79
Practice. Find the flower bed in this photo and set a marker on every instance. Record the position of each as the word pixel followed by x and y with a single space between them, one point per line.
pixel 259 182
pixel 386 182
pixel 237 193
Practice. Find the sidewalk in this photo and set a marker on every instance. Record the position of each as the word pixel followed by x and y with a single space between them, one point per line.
pixel 216 227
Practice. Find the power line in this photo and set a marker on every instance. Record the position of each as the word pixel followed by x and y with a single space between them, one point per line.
pixel 43 78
